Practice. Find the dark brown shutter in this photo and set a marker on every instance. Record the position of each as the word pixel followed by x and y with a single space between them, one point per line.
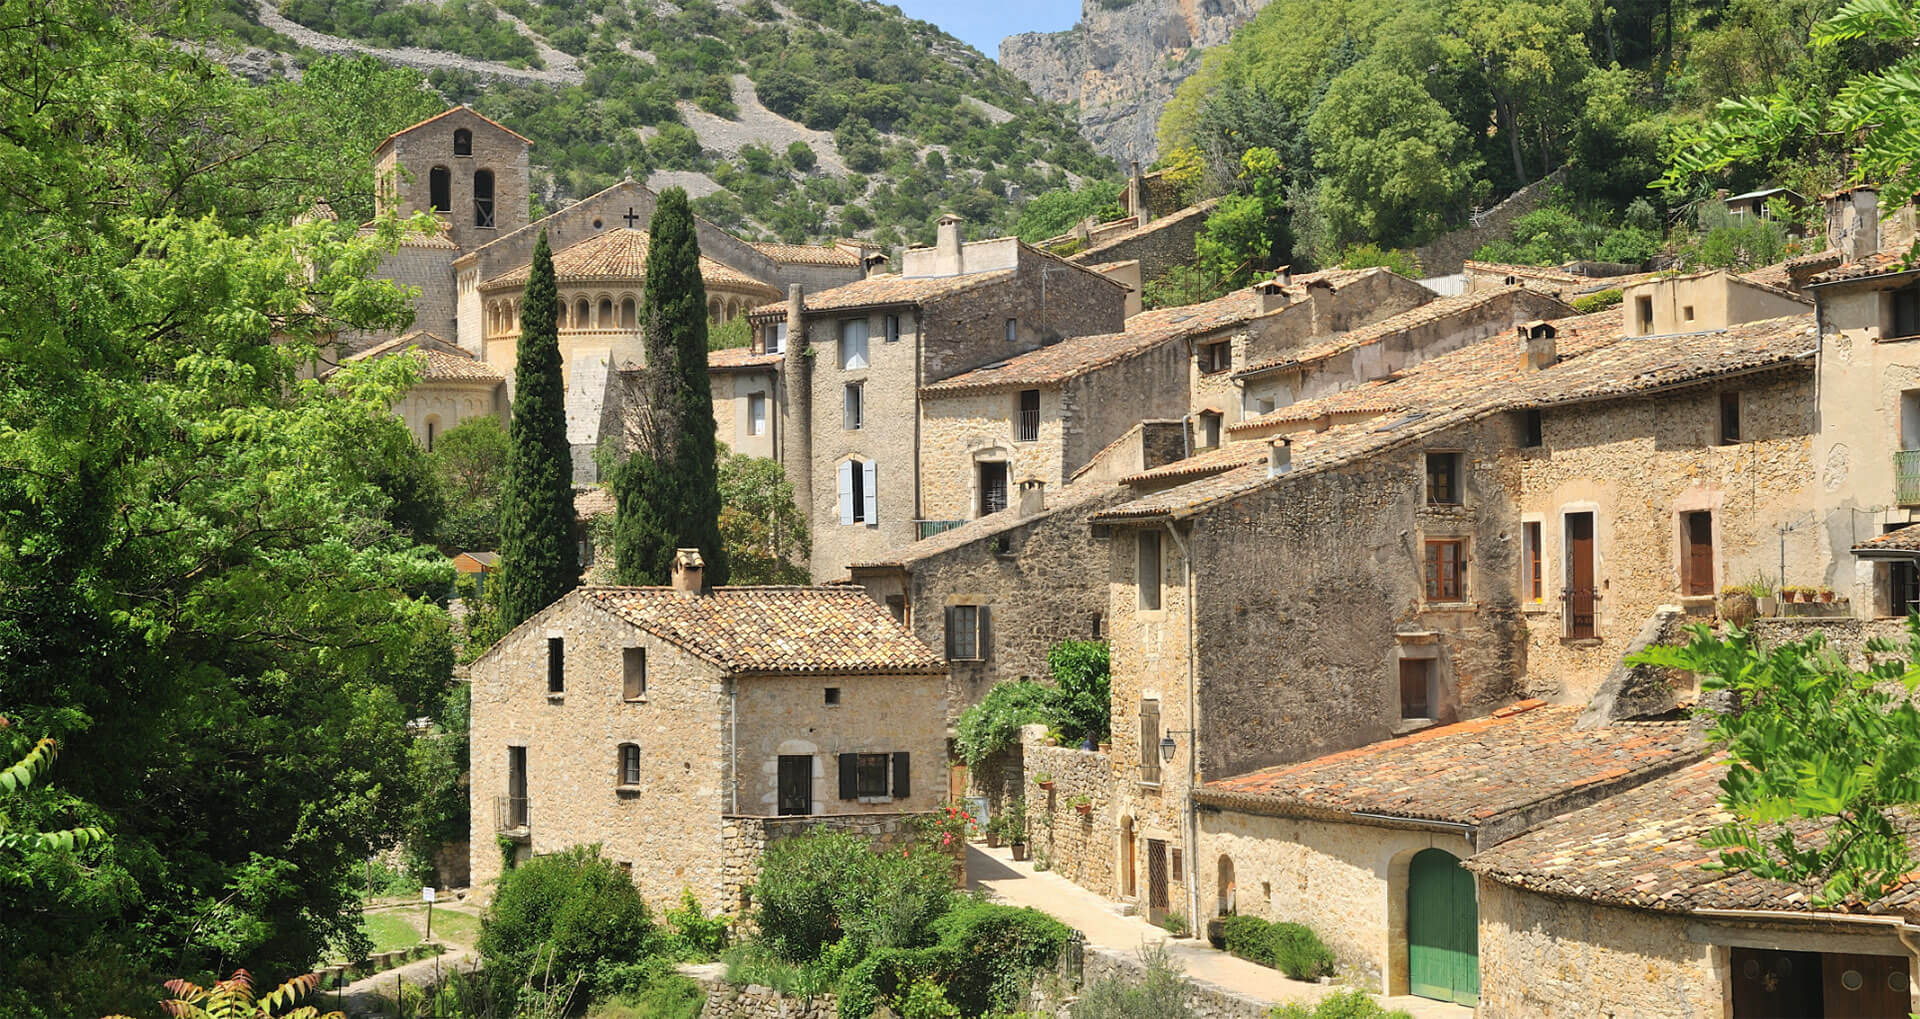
pixel 902 783
pixel 849 776
pixel 949 631
pixel 985 649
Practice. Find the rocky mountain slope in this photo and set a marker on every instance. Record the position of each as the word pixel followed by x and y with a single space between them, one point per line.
pixel 1121 63
pixel 798 120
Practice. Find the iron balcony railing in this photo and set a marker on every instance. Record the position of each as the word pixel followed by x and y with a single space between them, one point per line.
pixel 1582 612
pixel 1029 427
pixel 929 528
pixel 1906 477
pixel 511 813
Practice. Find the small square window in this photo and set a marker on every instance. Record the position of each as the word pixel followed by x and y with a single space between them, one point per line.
pixel 633 673
pixel 833 697
pixel 1443 479
pixel 1216 357
pixel 1416 688
pixel 1686 313
pixel 1013 330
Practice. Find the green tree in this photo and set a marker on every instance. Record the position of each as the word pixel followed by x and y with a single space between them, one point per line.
pixel 1822 758
pixel 470 460
pixel 538 558
pixel 1247 231
pixel 764 532
pixel 667 489
pixel 1394 165
pixel 1081 675
pixel 558 919
pixel 1052 213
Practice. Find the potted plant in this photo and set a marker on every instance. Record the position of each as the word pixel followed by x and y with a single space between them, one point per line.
pixel 1082 804
pixel 1015 816
pixel 1044 780
pixel 1826 594
pixel 1762 590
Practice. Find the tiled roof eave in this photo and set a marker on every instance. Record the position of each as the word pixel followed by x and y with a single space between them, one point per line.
pixel 1800 361
pixel 1864 278
pixel 1280 806
pixel 891 670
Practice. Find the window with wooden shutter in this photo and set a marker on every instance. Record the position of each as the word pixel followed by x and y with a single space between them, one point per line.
pixel 853 344
pixel 1150 741
pixel 902 776
pixel 965 627
pixel 849 776
pixel 871 772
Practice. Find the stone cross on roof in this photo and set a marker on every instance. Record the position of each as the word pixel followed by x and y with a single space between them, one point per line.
pixel 631 217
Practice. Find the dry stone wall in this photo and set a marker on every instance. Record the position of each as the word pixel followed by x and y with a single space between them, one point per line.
pixel 744 840
pixel 725 1001
pixel 1056 997
pixel 1080 847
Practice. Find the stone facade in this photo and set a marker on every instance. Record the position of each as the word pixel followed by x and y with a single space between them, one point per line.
pixel 1158 244
pixel 745 839
pixel 1079 847
pixel 1708 300
pixel 733 394
pixel 709 746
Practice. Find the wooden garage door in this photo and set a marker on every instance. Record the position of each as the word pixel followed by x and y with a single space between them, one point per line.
pixel 1443 929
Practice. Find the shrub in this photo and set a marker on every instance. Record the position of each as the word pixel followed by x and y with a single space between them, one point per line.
pixel 1345 1005
pixel 1082 672
pixel 559 918
pixel 1289 947
pixel 1246 937
pixel 983 955
pixel 993 725
pixel 925 1000
pixel 1600 301
pixel 1160 994
pixel 1367 256
pixel 696 935
pixel 816 889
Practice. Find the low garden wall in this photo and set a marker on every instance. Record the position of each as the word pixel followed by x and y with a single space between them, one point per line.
pixel 725 1001
pixel 1079 847
pixel 744 839
pixel 1209 1001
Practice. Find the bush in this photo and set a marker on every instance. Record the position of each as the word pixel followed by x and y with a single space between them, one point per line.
pixel 1600 301
pixel 1160 994
pixel 561 918
pixel 1082 674
pixel 1291 948
pixel 1367 256
pixel 982 954
pixel 696 936
pixel 1345 1005
pixel 816 889
pixel 993 725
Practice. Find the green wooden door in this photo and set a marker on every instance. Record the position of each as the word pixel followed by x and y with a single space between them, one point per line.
pixel 1443 929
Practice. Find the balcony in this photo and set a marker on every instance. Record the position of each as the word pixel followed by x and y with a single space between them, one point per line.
pixel 1906 477
pixel 929 528
pixel 512 815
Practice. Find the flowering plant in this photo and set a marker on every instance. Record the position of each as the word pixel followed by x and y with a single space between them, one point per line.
pixel 948 824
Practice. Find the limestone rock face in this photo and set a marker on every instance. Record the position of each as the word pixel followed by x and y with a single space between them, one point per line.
pixel 1121 63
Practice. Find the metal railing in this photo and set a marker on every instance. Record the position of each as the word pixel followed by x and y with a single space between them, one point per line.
pixel 511 813
pixel 929 528
pixel 1582 612
pixel 1027 429
pixel 1906 477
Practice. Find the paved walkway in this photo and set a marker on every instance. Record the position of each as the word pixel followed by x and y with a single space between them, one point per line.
pixel 371 996
pixel 1096 918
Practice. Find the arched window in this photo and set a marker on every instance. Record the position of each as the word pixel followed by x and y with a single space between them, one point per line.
pixel 483 198
pixel 580 314
pixel 629 764
pixel 440 189
pixel 433 429
pixel 606 313
pixel 627 317
pixel 463 142
pixel 713 310
pixel 1228 905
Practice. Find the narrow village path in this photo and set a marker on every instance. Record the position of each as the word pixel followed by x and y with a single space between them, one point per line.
pixel 372 995
pixel 1020 885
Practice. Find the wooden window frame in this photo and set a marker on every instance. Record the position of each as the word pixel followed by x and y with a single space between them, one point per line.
pixel 628 763
pixel 1434 570
pixel 1533 558
pixel 1150 571
pixel 967 630
pixel 1445 487
pixel 866 765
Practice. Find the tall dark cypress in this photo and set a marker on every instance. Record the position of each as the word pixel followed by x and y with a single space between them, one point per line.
pixel 668 488
pixel 538 562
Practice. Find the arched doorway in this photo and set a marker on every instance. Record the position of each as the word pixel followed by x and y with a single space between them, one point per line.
pixel 1443 929
pixel 1224 888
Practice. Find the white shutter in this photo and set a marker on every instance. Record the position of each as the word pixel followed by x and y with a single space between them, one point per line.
pixel 853 344
pixel 779 345
pixel 846 492
pixel 872 494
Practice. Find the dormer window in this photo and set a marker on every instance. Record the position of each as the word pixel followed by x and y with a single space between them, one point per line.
pixel 463 142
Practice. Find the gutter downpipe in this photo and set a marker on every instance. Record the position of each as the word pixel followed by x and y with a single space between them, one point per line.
pixel 733 741
pixel 1191 821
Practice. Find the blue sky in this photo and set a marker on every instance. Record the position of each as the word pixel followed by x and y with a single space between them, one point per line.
pixel 983 23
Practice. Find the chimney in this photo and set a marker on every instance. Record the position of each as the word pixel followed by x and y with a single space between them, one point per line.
pixel 947 247
pixel 1033 497
pixel 1538 345
pixel 688 568
pixel 1320 292
pixel 1272 296
pixel 1853 223
pixel 1279 457
pixel 1283 276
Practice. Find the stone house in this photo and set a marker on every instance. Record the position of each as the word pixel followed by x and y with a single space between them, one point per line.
pixel 662 722
pixel 1391 344
pixel 454 386
pixel 1562 282
pixel 1703 300
pixel 1365 846
pixel 745 394
pixel 856 358
pixel 1495 523
pixel 1608 910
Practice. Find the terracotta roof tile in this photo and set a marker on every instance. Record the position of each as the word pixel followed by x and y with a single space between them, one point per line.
pixel 441 361
pixel 892 289
pixel 1641 849
pixel 808 254
pixel 1889 262
pixel 620 255
pixel 824 630
pixel 1353 339
pixel 739 359
pixel 1906 539
pixel 1068 497
pixel 1473 772
pixel 1485 378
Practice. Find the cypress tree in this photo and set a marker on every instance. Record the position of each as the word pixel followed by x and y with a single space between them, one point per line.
pixel 668 489
pixel 538 562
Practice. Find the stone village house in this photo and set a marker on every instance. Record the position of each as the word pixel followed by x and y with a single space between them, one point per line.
pixel 675 726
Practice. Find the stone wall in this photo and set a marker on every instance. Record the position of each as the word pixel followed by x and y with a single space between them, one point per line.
pixel 791 716
pixel 1158 247
pixel 960 431
pixel 886 438
pixel 404 166
pixel 1100 406
pixel 1446 253
pixel 725 1001
pixel 1055 997
pixel 1079 847
pixel 731 390
pixel 745 840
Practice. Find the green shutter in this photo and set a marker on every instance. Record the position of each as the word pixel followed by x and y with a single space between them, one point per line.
pixel 849 776
pixel 902 776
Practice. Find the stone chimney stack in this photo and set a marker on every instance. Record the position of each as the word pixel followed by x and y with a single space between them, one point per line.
pixel 1273 295
pixel 1283 276
pixel 1279 457
pixel 688 569
pixel 1033 497
pixel 1853 223
pixel 1320 293
pixel 1539 345
pixel 949 253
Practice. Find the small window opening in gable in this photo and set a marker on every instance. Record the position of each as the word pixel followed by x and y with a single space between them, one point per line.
pixel 556 665
pixel 1216 357
pixel 1730 418
pixel 1263 405
pixel 629 764
pixel 462 142
pixel 440 189
pixel 1209 429
pixel 1534 431
pixel 833 697
pixel 1096 627
pixel 1027 425
pixel 1686 313
pixel 1443 479
pixel 1643 313
pixel 897 606
pixel 1003 544
pixel 633 673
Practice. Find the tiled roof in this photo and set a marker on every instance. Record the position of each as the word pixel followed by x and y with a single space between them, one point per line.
pixel 1485 378
pixel 1642 849
pixel 825 630
pixel 1788 274
pixel 1212 461
pixel 1881 263
pixel 1906 539
pixel 1392 325
pixel 880 291
pixel 808 254
pixel 1198 209
pixel 437 238
pixel 1475 772
pixel 1067 497
pixel 442 361
pixel 739 359
pixel 620 255
pixel 1532 272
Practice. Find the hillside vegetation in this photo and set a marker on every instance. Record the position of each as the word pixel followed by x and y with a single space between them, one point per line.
pixel 798 121
pixel 1393 121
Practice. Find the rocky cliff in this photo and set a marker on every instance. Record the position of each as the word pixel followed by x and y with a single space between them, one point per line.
pixel 1121 63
